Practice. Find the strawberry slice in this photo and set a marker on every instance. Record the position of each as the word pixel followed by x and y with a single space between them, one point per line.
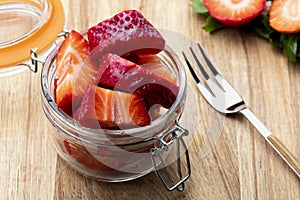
pixel 74 72
pixel 121 74
pixel 152 63
pixel 108 109
pixel 125 32
pixel 284 16
pixel 161 70
pixel 149 59
pixel 234 13
pixel 85 158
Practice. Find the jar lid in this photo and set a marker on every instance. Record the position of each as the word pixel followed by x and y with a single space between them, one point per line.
pixel 27 24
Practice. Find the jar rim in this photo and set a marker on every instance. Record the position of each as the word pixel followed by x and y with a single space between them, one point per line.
pixel 29 6
pixel 97 133
pixel 50 19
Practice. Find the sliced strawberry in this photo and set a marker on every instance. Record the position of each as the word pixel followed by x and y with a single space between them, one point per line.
pixel 108 109
pixel 118 73
pixel 152 63
pixel 125 32
pixel 160 70
pixel 84 157
pixel 133 57
pixel 284 16
pixel 234 13
pixel 74 72
pixel 142 59
pixel 149 59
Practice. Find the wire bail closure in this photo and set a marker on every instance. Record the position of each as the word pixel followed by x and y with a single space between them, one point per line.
pixel 35 60
pixel 174 136
pixel 33 66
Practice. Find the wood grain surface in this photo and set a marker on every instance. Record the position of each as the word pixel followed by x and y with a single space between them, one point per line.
pixel 241 166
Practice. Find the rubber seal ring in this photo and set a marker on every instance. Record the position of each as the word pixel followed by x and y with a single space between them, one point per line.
pixel 42 38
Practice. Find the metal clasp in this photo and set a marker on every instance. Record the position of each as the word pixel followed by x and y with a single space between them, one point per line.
pixel 174 136
pixel 35 60
pixel 33 66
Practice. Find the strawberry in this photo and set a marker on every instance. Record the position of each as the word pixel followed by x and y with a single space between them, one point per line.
pixel 160 70
pixel 152 63
pixel 108 109
pixel 121 74
pixel 84 157
pixel 127 31
pixel 234 13
pixel 284 16
pixel 149 59
pixel 74 72
pixel 133 57
pixel 142 59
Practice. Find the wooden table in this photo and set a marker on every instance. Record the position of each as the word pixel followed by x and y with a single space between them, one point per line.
pixel 241 166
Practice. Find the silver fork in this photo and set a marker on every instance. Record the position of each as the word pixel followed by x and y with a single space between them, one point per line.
pixel 222 97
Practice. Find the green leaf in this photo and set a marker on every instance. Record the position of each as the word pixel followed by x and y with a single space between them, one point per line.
pixel 198 7
pixel 212 25
pixel 275 39
pixel 260 27
pixel 298 52
pixel 290 46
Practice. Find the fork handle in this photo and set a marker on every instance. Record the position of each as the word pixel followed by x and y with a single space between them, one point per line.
pixel 275 143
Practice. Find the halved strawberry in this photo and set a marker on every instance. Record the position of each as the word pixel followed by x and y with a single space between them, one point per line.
pixel 149 59
pixel 234 13
pixel 85 158
pixel 121 74
pixel 142 59
pixel 108 109
pixel 125 32
pixel 284 16
pixel 74 72
pixel 152 63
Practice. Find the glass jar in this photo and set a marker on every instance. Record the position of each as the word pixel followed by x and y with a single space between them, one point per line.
pixel 104 155
pixel 121 155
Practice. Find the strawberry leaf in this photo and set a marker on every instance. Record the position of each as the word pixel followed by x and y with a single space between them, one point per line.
pixel 212 25
pixel 198 7
pixel 290 46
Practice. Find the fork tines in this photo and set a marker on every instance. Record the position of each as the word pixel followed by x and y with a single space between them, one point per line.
pixel 201 67
pixel 216 90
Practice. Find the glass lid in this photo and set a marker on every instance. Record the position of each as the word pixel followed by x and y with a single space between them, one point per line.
pixel 26 24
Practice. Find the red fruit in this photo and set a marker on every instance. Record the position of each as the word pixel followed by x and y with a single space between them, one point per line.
pixel 108 109
pixel 121 74
pixel 284 16
pixel 234 13
pixel 74 72
pixel 142 59
pixel 84 157
pixel 152 63
pixel 149 59
pixel 127 31
pixel 133 57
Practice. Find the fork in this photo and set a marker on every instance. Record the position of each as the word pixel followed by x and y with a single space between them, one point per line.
pixel 222 97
